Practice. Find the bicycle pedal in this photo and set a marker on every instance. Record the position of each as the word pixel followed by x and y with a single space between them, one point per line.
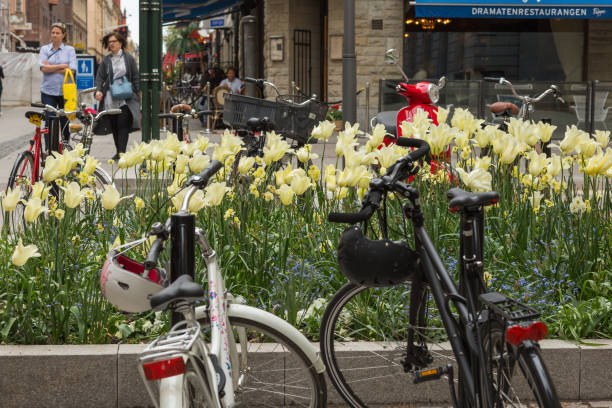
pixel 429 374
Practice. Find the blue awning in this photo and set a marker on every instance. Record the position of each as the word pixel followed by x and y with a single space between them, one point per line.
pixel 195 9
pixel 536 9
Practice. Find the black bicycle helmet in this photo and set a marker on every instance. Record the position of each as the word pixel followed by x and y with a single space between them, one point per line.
pixel 375 263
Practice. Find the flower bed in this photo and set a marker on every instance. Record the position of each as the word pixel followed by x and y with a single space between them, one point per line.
pixel 548 240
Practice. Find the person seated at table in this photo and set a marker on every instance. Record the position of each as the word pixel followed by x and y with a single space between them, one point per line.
pixel 232 81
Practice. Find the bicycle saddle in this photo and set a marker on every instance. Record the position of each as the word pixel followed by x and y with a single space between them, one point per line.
pixel 258 125
pixel 460 199
pixel 29 114
pixel 75 127
pixel 499 107
pixel 184 288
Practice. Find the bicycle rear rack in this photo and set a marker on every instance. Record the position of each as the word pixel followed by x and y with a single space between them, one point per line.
pixel 508 308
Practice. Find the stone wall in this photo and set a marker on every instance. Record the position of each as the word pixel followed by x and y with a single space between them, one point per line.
pixel 370 47
pixel 276 23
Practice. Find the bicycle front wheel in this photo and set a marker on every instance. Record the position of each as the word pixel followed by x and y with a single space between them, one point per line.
pixel 364 337
pixel 516 376
pixel 277 372
pixel 22 178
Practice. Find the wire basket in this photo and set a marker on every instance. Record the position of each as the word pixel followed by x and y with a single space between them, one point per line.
pixel 237 109
pixel 298 121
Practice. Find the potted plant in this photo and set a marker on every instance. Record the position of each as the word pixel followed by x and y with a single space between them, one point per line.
pixel 334 114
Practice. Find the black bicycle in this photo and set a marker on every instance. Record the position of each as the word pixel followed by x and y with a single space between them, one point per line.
pixel 385 330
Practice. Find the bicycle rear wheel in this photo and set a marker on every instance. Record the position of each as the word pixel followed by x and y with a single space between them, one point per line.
pixel 364 336
pixel 22 178
pixel 277 373
pixel 196 392
pixel 512 385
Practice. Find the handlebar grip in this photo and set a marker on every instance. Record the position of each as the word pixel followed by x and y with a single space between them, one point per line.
pixel 491 79
pixel 38 105
pixel 370 204
pixel 250 80
pixel 200 180
pixel 205 112
pixel 166 116
pixel 153 255
pixel 421 145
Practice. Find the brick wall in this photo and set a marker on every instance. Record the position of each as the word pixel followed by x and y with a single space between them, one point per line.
pixel 370 47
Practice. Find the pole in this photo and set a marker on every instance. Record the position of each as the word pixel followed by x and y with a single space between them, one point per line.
pixel 249 30
pixel 145 69
pixel 367 107
pixel 349 65
pixel 155 61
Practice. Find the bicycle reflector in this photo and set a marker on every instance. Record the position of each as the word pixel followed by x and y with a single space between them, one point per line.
pixel 164 368
pixel 517 334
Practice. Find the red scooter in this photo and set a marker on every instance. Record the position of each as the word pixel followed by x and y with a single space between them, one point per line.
pixel 422 95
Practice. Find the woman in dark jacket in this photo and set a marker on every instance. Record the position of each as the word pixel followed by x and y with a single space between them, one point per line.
pixel 114 66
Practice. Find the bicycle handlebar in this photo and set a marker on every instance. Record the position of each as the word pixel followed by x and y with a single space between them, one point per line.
pixel 261 83
pixel 49 108
pixel 554 89
pixel 380 186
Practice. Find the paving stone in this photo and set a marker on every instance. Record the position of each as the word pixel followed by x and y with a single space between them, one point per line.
pixel 600 404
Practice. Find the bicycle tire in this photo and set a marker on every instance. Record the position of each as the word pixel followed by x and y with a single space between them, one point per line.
pixel 21 176
pixel 501 359
pixel 297 379
pixel 366 372
pixel 196 392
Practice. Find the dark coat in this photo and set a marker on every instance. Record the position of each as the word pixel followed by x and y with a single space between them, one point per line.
pixel 103 83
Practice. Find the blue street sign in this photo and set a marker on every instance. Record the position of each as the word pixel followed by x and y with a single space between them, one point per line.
pixel 542 9
pixel 217 22
pixel 85 72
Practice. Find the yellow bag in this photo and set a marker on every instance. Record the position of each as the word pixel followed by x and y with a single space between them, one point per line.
pixel 70 94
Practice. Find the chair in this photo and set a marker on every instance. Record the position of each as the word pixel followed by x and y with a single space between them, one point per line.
pixel 600 113
pixel 218 98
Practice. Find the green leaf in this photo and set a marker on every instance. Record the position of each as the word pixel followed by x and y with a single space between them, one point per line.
pixel 7 328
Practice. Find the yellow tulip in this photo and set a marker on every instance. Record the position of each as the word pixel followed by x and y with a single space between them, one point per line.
pixel 330 182
pixel 304 154
pixel 545 131
pixel 388 155
pixel 56 166
pixel 286 194
pixel 553 165
pixel 535 199
pixel 73 195
pixel 600 163
pixel 33 209
pixel 214 193
pixel 198 162
pixel 346 141
pixel 197 201
pixel 351 176
pixel 111 197
pixel 376 138
pixel 275 148
pixel 259 173
pixel 180 166
pixel 283 176
pixel 300 183
pixel 245 164
pixel 361 157
pixel 476 180
pixel 21 254
pixel 573 137
pixel 172 144
pixel 342 192
pixel 602 138
pixel 442 115
pixel 201 144
pixel 90 165
pixel 420 123
pixel 537 163
pixel 523 131
pixel 510 148
pixel 323 130
pixel 482 163
pixel 10 199
pixel 587 147
pixel 439 137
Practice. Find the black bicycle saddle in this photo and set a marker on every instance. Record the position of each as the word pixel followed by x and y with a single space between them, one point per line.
pixel 184 288
pixel 460 199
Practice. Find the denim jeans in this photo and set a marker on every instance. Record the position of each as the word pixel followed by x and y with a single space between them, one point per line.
pixel 57 101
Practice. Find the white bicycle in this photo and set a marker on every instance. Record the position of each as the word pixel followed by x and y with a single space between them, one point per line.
pixel 224 354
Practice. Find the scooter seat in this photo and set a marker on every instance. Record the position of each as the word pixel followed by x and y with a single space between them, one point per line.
pixel 499 107
pixel 389 119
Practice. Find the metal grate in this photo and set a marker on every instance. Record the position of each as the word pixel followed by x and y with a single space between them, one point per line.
pixel 302 60
pixel 377 24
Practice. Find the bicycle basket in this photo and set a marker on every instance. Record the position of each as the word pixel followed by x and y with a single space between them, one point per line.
pixel 298 121
pixel 375 263
pixel 237 109
pixel 123 282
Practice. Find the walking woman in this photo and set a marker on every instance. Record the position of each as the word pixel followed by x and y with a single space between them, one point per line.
pixel 54 59
pixel 117 67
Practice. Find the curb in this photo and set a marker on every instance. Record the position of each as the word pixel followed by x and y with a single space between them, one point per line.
pixel 107 375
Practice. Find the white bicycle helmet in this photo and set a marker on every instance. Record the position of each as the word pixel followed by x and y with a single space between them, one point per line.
pixel 124 285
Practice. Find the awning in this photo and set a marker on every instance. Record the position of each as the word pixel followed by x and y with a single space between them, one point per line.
pixel 195 9
pixel 536 9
